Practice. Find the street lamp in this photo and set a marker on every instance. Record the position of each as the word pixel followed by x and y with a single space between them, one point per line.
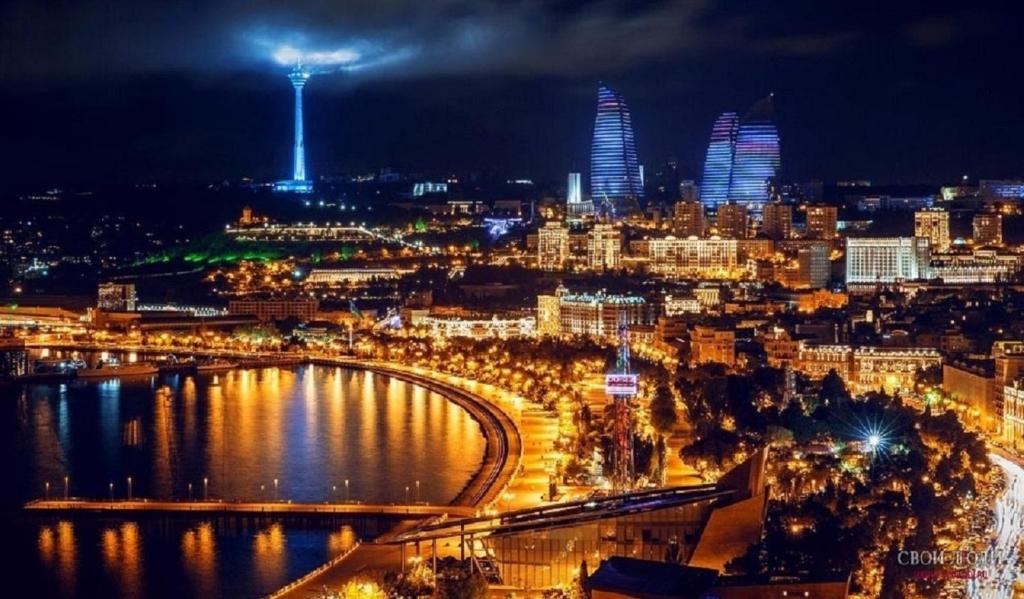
pixel 47 490
pixel 65 487
pixel 110 490
pixel 275 489
pixel 417 491
pixel 206 488
pixel 190 491
pixel 346 491
pixel 406 494
pixel 334 489
pixel 129 488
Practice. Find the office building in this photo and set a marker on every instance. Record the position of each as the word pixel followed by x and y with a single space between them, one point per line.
pixel 777 221
pixel 616 183
pixel 714 187
pixel 988 228
pixel 688 218
pixel 813 267
pixel 552 246
pixel 933 224
pixel 732 221
pixel 604 248
pixel 887 260
pixel 821 222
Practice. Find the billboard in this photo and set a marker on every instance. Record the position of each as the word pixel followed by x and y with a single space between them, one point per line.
pixel 621 384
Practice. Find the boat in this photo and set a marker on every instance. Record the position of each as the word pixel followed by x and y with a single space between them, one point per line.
pixel 111 369
pixel 216 365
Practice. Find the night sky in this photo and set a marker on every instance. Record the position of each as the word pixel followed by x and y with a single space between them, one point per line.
pixel 134 91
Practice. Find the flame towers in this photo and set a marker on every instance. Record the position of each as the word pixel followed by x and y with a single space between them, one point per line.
pixel 616 183
pixel 298 183
pixel 743 156
pixel 757 158
pixel 714 189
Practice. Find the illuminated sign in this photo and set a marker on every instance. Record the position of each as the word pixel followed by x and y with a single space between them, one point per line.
pixel 621 384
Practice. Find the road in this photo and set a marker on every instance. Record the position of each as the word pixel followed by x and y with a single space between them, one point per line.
pixel 1002 570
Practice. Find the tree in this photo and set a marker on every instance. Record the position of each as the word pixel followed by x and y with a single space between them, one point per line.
pixel 663 411
pixel 833 389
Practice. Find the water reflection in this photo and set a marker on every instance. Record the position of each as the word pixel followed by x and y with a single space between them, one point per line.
pixel 311 428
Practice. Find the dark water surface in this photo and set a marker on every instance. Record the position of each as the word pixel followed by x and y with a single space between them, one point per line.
pixel 310 428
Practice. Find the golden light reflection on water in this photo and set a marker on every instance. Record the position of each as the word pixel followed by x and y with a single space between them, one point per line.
pixel 121 548
pixel 199 554
pixel 57 549
pixel 269 557
pixel 340 541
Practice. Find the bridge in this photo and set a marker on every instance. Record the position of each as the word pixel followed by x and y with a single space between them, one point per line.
pixel 246 508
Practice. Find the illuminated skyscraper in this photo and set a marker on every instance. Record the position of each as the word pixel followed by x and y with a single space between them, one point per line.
pixel 616 183
pixel 298 183
pixel 756 160
pixel 714 189
pixel 576 206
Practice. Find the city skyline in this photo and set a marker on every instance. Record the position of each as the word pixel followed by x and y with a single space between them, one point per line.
pixel 854 100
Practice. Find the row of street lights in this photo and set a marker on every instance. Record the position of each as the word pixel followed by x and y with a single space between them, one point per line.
pixel 206 488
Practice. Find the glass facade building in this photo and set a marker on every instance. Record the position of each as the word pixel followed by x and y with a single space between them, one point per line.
pixel 757 158
pixel 616 182
pixel 714 189
pixel 743 157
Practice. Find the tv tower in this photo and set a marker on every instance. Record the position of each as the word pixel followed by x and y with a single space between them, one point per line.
pixel 298 183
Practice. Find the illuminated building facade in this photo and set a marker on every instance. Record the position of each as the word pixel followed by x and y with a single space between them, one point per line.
pixel 427 187
pixel 479 328
pixel 575 206
pixel 988 228
pixel 821 222
pixel 599 314
pixel 1013 413
pixel 890 369
pixel 298 183
pixel 757 159
pixel 116 297
pixel 708 344
pixel 933 224
pixel 688 218
pixel 616 183
pixel 979 266
pixel 887 260
pixel 552 246
pixel 1006 189
pixel 604 248
pixel 343 276
pixel 714 188
pixel 267 310
pixel 693 257
pixel 732 221
pixel 549 314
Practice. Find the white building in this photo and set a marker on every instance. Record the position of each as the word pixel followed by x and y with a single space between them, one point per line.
pixel 887 259
pixel 604 248
pixel 552 246
pixel 693 257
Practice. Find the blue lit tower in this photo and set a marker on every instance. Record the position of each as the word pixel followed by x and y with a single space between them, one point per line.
pixel 298 183
pixel 714 188
pixel 615 181
pixel 757 159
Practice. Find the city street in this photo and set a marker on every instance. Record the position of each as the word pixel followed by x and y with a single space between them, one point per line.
pixel 1003 569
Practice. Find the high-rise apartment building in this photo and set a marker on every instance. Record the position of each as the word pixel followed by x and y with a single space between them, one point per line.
pixel 688 218
pixel 813 267
pixel 616 182
pixel 821 222
pixel 552 246
pixel 732 221
pixel 694 258
pixel 887 259
pixel 933 224
pixel 777 221
pixel 604 248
